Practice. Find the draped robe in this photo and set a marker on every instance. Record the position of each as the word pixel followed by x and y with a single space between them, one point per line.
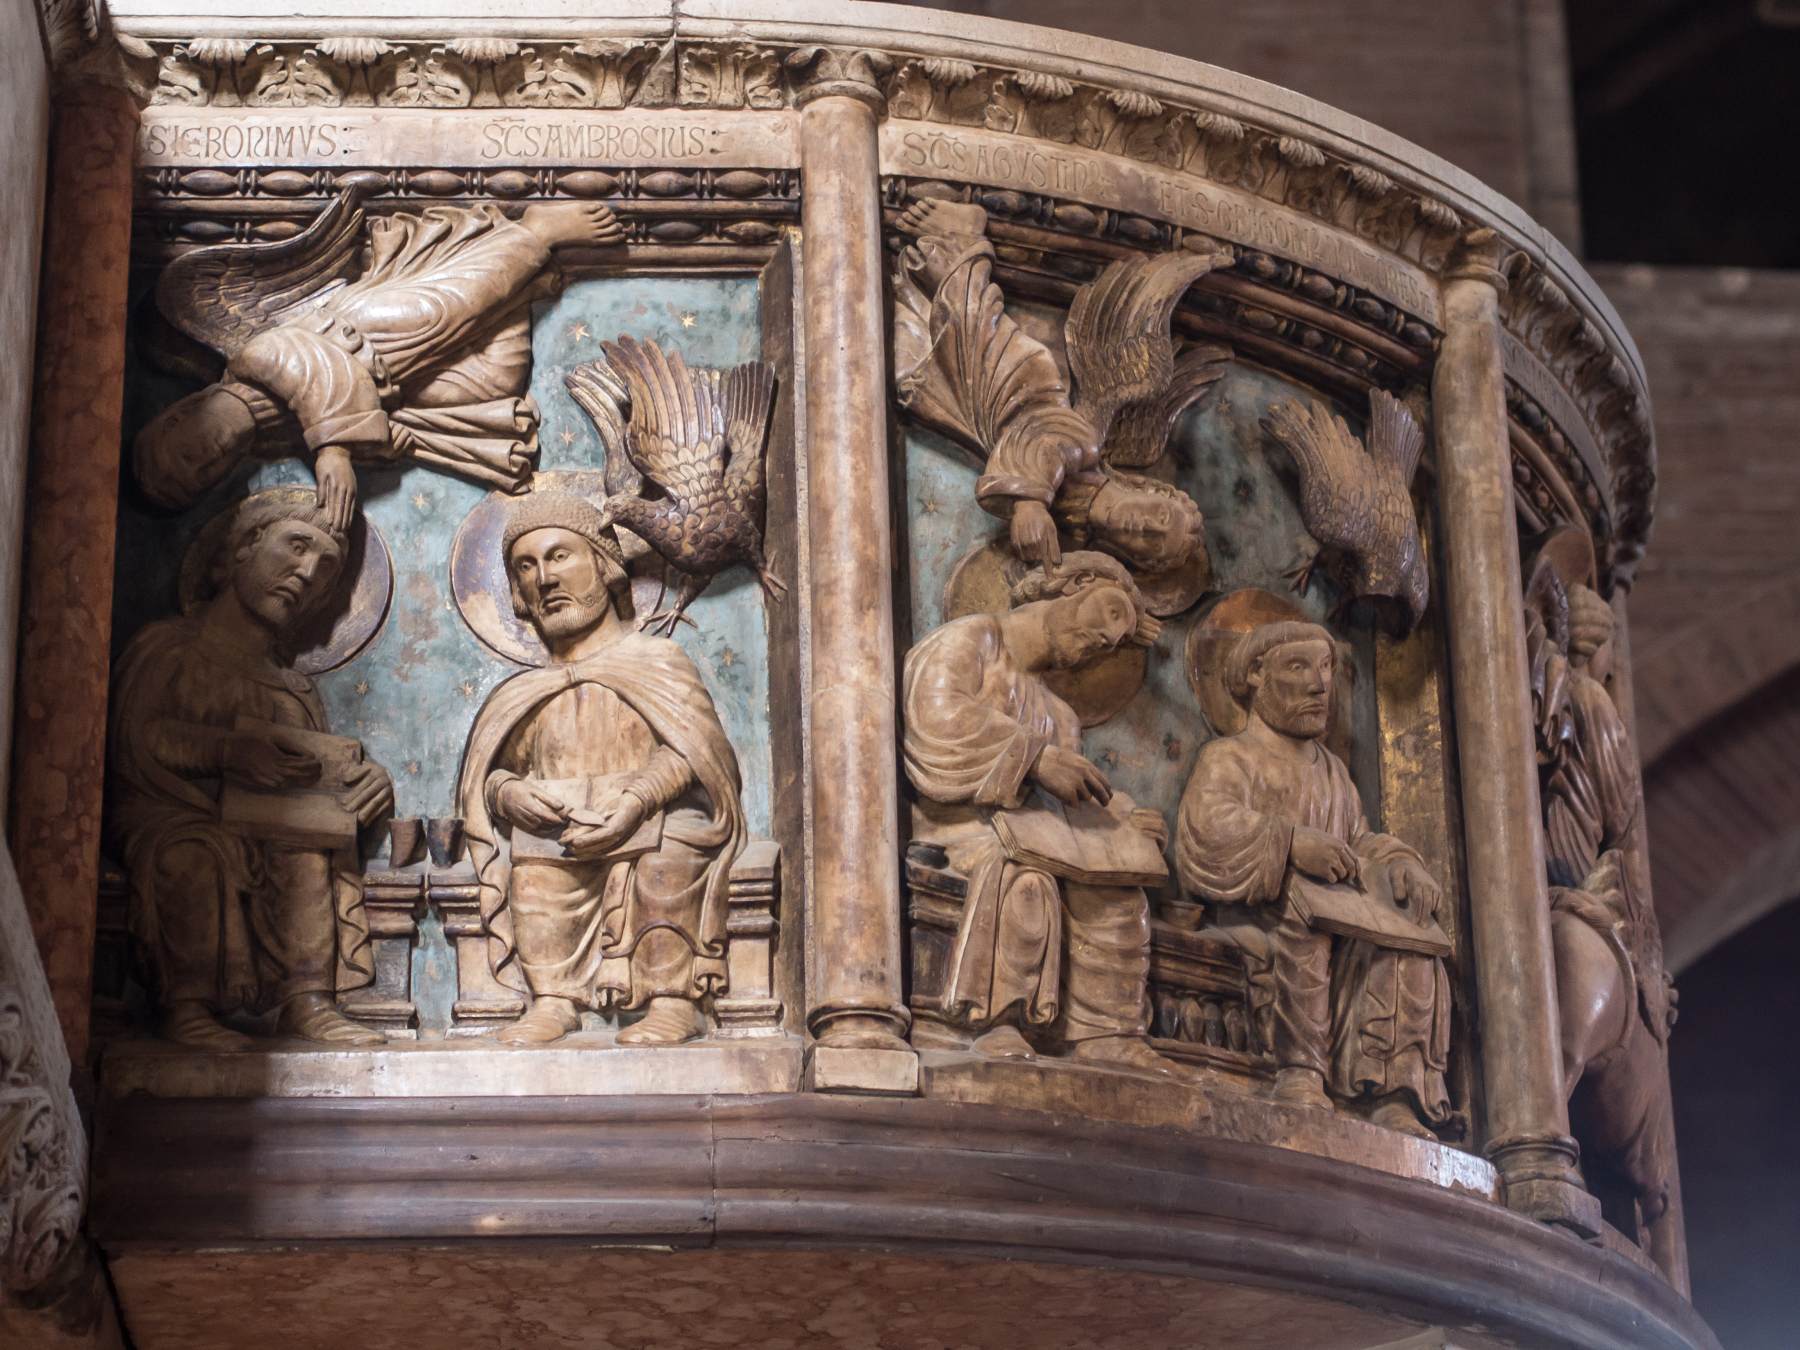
pixel 1373 1021
pixel 608 934
pixel 975 724
pixel 426 355
pixel 254 923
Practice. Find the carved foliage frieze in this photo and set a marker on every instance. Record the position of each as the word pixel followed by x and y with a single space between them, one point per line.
pixel 40 1185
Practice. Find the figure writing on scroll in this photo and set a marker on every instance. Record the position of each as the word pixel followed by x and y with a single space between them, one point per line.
pixel 601 799
pixel 1271 832
pixel 400 338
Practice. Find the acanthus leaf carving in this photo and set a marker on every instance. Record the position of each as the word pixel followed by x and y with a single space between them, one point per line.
pixel 722 76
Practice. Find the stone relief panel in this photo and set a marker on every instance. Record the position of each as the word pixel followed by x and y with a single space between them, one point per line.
pixel 433 640
pixel 1309 520
pixel 1616 999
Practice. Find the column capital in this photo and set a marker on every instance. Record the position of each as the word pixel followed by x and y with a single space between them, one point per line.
pixel 1481 255
pixel 839 72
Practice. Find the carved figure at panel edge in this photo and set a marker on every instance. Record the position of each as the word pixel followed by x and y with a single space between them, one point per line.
pixel 1358 503
pixel 1054 937
pixel 234 810
pixel 963 367
pixel 416 347
pixel 685 473
pixel 600 796
pixel 1615 999
pixel 1336 923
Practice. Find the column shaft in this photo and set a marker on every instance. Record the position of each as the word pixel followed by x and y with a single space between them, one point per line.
pixel 72 495
pixel 1527 1117
pixel 854 999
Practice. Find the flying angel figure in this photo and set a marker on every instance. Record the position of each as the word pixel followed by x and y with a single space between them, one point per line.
pixel 1051 456
pixel 684 461
pixel 365 340
pixel 1357 503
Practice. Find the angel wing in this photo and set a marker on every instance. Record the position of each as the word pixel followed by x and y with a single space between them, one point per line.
pixel 1395 438
pixel 749 396
pixel 1140 431
pixel 224 294
pixel 963 367
pixel 676 437
pixel 602 394
pixel 1117 332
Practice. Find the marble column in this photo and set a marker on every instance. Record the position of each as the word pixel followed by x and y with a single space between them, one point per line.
pixel 72 486
pixel 856 1011
pixel 1527 1119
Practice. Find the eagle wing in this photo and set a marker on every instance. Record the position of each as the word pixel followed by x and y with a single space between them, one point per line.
pixel 749 392
pixel 676 436
pixel 602 394
pixel 1117 332
pixel 224 294
pixel 1140 431
pixel 1337 481
pixel 1395 438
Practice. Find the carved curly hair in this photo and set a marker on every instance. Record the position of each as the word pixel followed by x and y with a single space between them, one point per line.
pixel 1081 571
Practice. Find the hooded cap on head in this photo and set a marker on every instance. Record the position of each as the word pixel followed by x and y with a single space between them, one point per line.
pixel 1258 643
pixel 565 511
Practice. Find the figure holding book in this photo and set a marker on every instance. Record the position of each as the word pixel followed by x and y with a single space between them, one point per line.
pixel 235 813
pixel 1336 923
pixel 600 799
pixel 1054 938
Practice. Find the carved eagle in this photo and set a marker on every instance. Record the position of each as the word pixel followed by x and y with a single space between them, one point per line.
pixel 684 460
pixel 1357 503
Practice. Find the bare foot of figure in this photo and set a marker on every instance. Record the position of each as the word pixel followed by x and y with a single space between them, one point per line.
pixel 1301 1087
pixel 1393 1113
pixel 547 1020
pixel 1126 1052
pixel 1004 1042
pixel 669 1021
pixel 935 217
pixel 311 1017
pixel 191 1024
pixel 574 225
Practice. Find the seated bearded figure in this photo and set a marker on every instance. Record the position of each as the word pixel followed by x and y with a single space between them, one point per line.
pixel 1366 1021
pixel 232 917
pixel 984 735
pixel 600 796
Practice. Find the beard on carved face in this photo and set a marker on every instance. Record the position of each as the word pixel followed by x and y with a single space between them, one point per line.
pixel 286 573
pixel 1295 702
pixel 560 612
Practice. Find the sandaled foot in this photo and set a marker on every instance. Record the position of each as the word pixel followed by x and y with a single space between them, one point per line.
pixel 936 217
pixel 669 1021
pixel 312 1018
pixel 1301 1087
pixel 547 1020
pixel 573 225
pixel 1392 1113
pixel 1125 1052
pixel 1004 1042
pixel 191 1024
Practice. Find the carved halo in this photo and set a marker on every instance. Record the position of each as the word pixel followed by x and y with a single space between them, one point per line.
pixel 1210 643
pixel 478 572
pixel 336 635
pixel 982 583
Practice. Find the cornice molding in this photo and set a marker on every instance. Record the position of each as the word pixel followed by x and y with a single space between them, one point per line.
pixel 957 71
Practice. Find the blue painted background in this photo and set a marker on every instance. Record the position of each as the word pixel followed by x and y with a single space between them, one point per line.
pixel 413 692
pixel 1254 534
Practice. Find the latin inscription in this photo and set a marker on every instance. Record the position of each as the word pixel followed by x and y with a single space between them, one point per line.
pixel 249 138
pixel 1179 198
pixel 517 138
